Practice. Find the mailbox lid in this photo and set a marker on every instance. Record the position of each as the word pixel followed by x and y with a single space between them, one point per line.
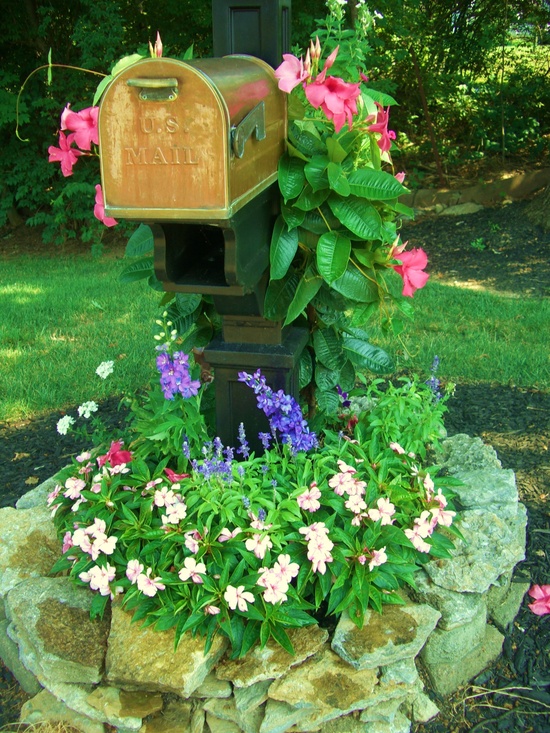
pixel 165 138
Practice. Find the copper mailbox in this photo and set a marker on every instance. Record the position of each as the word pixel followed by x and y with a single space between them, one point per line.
pixel 190 140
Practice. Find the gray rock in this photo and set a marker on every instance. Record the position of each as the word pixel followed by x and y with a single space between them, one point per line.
pixel 29 546
pixel 421 708
pixel 397 633
pixel 447 678
pixel 213 687
pixel 248 698
pixel 37 497
pixel 489 548
pixel 487 488
pixel 140 658
pixel 461 452
pixel 50 621
pixel 461 209
pixel 44 707
pixel 9 654
pixel 504 611
pixel 456 609
pixel 451 646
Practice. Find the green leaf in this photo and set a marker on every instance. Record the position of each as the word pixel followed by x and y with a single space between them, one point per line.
pixel 103 84
pixel 284 245
pixel 291 177
pixel 362 353
pixel 296 108
pixel 98 605
pixel 187 303
pixel 338 180
pixel 328 348
pixel 137 271
pixel 336 152
pixel 327 401
pixel 384 99
pixel 326 379
pixel 378 185
pixel 188 55
pixel 315 172
pixel 306 141
pixel 124 62
pixel 355 286
pixel 310 199
pixel 281 637
pixel 305 369
pixel 141 242
pixel 279 296
pixel 49 79
pixel 333 251
pixel 307 288
pixel 359 217
pixel 403 209
pixel 293 217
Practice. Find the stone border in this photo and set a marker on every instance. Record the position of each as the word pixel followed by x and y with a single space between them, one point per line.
pixel 113 672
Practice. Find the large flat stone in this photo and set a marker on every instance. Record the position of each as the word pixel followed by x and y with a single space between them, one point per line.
pixel 456 609
pixel 45 708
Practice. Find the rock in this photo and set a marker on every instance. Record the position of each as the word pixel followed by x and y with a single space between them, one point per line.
pixel 121 704
pixel 216 725
pixel 489 548
pixel 421 708
pixel 504 607
pixel 398 632
pixel 462 209
pixel 9 654
pixel 464 453
pixel 213 687
pixel 451 646
pixel 487 488
pixel 175 718
pixel 272 661
pixel 247 698
pixel 446 678
pixel 44 707
pixel 29 546
pixel 140 658
pixel 37 497
pixel 247 721
pixel 50 621
pixel 456 609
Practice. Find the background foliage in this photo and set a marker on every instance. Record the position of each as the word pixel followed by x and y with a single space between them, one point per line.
pixel 479 71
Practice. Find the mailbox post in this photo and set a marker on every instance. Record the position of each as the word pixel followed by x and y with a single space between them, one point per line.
pixel 192 148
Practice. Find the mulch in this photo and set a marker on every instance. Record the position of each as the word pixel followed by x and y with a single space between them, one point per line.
pixel 514 693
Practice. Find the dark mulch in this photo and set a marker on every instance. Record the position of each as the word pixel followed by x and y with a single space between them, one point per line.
pixel 514 693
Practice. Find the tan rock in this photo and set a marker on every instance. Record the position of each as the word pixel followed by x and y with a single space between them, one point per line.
pixel 272 661
pixel 141 658
pixel 213 687
pixel 122 704
pixel 221 726
pixel 175 718
pixel 44 707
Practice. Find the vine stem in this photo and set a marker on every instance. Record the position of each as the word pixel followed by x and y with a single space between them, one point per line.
pixel 40 68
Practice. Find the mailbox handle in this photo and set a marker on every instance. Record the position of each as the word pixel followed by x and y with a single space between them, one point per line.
pixel 254 121
pixel 155 90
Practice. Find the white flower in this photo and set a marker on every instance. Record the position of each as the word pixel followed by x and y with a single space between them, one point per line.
pixel 64 425
pixel 86 408
pixel 104 369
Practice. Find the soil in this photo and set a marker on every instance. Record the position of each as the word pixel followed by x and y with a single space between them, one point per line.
pixel 496 248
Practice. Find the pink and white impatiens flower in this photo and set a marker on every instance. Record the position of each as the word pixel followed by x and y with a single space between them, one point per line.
pixel 238 598
pixel 192 570
pixel 149 586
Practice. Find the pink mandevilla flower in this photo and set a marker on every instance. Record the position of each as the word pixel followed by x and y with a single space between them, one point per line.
pixel 337 99
pixel 64 154
pixel 83 124
pixel 411 269
pixel 541 594
pixel 381 126
pixel 291 72
pixel 99 208
pixel 238 598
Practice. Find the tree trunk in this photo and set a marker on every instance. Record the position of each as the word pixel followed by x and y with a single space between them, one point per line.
pixel 538 211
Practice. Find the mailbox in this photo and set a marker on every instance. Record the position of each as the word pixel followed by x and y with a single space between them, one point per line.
pixel 193 147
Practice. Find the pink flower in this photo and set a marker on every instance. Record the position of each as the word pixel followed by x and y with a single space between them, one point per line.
pixel 192 569
pixel 419 543
pixel 156 50
pixel 163 496
pixel 355 504
pixel 99 578
pixel 336 98
pixel 541 594
pixel 64 154
pixel 275 587
pixel 378 557
pixel 291 73
pixel 314 530
pixel 192 540
pixel 238 598
pixel 341 483
pixel 226 535
pixel 74 487
pixel 175 512
pixel 397 448
pixel 381 126
pixel 99 208
pixel 258 545
pixel 133 570
pixel 67 542
pixel 175 477
pixel 115 456
pixel 308 501
pixel 411 269
pixel 400 177
pixel 83 124
pixel 286 569
pixel 149 586
pixel 384 513
pixel 212 610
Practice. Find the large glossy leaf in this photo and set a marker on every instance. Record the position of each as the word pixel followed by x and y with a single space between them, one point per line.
pixel 364 354
pixel 316 172
pixel 279 296
pixel 327 400
pixel 355 286
pixel 338 180
pixel 326 379
pixel 307 288
pixel 139 270
pixel 307 141
pixel 381 97
pixel 284 245
pixel 375 185
pixel 291 177
pixel 328 348
pixel 187 303
pixel 141 242
pixel 293 217
pixel 310 199
pixel 333 251
pixel 305 368
pixel 359 217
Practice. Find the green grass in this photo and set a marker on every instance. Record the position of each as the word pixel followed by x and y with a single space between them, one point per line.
pixel 479 335
pixel 61 317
